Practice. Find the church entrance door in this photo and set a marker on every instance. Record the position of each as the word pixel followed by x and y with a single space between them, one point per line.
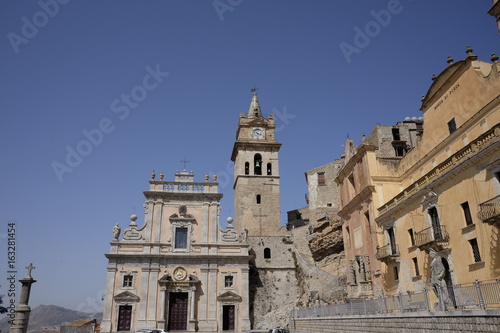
pixel 124 317
pixel 228 318
pixel 178 311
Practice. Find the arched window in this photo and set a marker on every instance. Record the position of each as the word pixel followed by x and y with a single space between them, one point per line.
pixel 257 199
pixel 247 168
pixel 257 165
pixel 269 169
pixel 267 253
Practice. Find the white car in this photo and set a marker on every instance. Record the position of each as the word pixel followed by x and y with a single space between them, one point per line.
pixel 278 330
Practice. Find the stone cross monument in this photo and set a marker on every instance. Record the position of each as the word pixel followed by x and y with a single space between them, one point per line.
pixel 22 311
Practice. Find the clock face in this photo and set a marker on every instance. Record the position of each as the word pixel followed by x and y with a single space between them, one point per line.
pixel 258 133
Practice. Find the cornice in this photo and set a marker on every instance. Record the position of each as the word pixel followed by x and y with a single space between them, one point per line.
pixel 255 145
pixel 347 167
pixel 183 196
pixel 354 203
pixel 482 146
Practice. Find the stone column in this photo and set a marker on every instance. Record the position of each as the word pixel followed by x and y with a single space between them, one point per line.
pixel 192 309
pixel 245 311
pixel 204 223
pixel 153 294
pixel 142 305
pixel 202 314
pixel 214 219
pixel 158 212
pixel 162 321
pixel 212 299
pixel 108 299
pixel 22 311
pixel 149 220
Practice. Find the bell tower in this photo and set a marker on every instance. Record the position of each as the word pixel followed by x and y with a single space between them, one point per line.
pixel 256 173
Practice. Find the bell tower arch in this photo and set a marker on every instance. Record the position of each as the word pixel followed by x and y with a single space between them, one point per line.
pixel 256 173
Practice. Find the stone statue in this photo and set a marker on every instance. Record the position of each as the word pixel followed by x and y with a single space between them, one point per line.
pixel 244 235
pixel 116 232
pixel 438 272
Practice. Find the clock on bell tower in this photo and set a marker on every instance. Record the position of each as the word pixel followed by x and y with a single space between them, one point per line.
pixel 256 173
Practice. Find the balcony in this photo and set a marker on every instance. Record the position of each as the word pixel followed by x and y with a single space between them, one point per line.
pixel 431 236
pixel 387 252
pixel 489 211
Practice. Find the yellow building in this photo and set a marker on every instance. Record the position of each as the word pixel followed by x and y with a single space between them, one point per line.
pixel 448 185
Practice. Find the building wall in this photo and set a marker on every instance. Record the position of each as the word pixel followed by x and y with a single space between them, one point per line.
pixel 211 267
pixel 447 170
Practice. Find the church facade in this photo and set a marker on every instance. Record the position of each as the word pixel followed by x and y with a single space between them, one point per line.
pixel 178 271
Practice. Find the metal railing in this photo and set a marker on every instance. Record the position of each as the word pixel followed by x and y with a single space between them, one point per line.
pixel 471 296
pixel 430 235
pixel 489 211
pixel 387 251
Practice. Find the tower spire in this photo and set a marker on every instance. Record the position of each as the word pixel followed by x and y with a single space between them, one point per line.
pixel 254 110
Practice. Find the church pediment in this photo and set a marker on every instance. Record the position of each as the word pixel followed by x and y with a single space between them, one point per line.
pixel 126 297
pixel 441 80
pixel 229 296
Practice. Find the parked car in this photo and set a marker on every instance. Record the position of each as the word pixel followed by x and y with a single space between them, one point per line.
pixel 278 330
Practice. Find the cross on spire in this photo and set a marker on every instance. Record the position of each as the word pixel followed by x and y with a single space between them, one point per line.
pixel 254 89
pixel 185 162
pixel 30 268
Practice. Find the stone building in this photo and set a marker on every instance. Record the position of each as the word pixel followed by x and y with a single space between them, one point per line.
pixel 178 270
pixel 448 185
pixel 366 174
pixel 273 285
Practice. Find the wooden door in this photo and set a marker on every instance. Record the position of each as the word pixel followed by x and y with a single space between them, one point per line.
pixel 124 317
pixel 177 312
pixel 228 318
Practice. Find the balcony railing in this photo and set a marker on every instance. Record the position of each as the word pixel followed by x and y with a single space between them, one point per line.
pixel 431 235
pixel 387 252
pixel 489 211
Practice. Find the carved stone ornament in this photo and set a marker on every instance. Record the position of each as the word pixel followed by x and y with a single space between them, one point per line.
pixel 180 274
pixel 133 232
pixel 229 235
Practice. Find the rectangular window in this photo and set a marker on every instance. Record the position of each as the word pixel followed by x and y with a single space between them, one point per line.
pixel 399 150
pixel 228 281
pixel 475 250
pixel 415 265
pixel 452 126
pixel 396 273
pixel 467 214
pixel 392 241
pixel 395 134
pixel 412 237
pixel 352 186
pixel 181 238
pixel 127 280
pixel 321 178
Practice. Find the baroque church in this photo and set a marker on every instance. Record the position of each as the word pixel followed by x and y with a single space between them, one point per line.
pixel 180 271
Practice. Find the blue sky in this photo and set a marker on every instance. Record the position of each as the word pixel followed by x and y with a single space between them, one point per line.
pixel 136 86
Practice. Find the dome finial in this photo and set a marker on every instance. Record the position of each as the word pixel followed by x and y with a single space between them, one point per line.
pixel 494 57
pixel 449 60
pixel 469 50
